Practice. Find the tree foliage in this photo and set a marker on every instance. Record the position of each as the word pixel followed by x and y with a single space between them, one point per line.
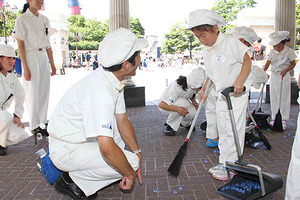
pixel 229 10
pixel 10 19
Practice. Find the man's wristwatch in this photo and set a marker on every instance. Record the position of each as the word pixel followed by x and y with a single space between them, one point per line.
pixel 137 151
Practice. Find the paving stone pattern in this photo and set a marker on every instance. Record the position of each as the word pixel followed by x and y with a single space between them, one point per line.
pixel 20 178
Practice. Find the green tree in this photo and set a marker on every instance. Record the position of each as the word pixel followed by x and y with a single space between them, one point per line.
pixel 136 27
pixel 229 10
pixel 179 40
pixel 10 19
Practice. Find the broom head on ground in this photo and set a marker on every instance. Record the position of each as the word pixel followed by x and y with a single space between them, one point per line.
pixel 175 166
pixel 277 126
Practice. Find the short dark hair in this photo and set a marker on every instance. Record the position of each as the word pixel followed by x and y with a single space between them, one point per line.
pixel 182 82
pixel 283 41
pixel 204 27
pixel 119 66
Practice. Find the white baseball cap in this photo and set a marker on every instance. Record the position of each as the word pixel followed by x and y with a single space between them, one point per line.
pixel 259 76
pixel 277 37
pixel 7 51
pixel 204 16
pixel 196 78
pixel 118 46
pixel 246 33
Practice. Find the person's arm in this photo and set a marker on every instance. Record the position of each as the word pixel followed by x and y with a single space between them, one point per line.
pixel 180 110
pixel 201 93
pixel 267 65
pixel 112 154
pixel 286 70
pixel 51 60
pixel 242 77
pixel 194 102
pixel 22 53
pixel 19 97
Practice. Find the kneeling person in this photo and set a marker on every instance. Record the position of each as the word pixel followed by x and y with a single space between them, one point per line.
pixel 178 101
pixel 89 126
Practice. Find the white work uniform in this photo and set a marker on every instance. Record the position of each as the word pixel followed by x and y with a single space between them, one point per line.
pixel 174 95
pixel 210 112
pixel 223 63
pixel 88 110
pixel 35 31
pixel 9 132
pixel 293 176
pixel 279 62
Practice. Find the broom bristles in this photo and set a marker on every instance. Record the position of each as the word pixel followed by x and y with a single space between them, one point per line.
pixel 277 126
pixel 175 166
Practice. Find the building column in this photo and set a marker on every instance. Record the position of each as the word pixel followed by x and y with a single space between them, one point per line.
pixel 285 20
pixel 119 17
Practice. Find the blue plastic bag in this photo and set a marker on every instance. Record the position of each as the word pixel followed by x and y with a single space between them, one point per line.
pixel 49 169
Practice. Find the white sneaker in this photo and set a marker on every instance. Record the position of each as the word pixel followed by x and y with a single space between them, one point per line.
pixel 212 170
pixel 272 123
pixel 222 175
pixel 284 124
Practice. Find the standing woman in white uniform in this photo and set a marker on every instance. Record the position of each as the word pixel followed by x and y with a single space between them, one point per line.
pixel 282 61
pixel 32 31
pixel 227 63
pixel 178 101
pixel 292 191
pixel 11 128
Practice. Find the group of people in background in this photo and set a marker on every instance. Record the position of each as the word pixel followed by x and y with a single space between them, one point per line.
pixel 89 127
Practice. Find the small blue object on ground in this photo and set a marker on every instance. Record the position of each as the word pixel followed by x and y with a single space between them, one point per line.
pixel 155 190
pixel 174 192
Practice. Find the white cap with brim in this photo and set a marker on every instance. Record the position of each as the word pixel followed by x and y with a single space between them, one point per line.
pixel 204 16
pixel 246 33
pixel 7 51
pixel 118 46
pixel 277 37
pixel 196 78
pixel 259 76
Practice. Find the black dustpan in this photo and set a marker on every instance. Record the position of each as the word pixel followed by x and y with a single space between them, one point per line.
pixel 249 182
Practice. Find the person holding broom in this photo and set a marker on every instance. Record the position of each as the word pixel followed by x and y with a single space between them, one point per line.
pixel 282 61
pixel 227 63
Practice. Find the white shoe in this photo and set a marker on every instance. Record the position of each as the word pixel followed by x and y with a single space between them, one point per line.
pixel 212 170
pixel 222 175
pixel 271 123
pixel 284 124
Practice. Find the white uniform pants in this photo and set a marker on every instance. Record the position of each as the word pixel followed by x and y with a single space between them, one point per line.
pixel 10 133
pixel 226 139
pixel 85 164
pixel 174 119
pixel 37 90
pixel 285 95
pixel 293 175
pixel 210 112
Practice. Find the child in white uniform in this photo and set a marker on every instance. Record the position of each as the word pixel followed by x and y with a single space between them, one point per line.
pixel 32 32
pixel 293 176
pixel 282 61
pixel 11 128
pixel 226 64
pixel 178 101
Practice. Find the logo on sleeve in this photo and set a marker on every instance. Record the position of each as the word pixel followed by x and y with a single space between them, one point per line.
pixel 107 126
pixel 171 100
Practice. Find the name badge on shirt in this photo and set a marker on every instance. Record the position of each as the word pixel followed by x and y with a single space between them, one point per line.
pixel 107 126
pixel 220 59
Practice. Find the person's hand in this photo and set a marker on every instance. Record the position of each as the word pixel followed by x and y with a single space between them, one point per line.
pixel 238 87
pixel 195 104
pixel 53 69
pixel 201 95
pixel 139 171
pixel 126 183
pixel 283 73
pixel 27 74
pixel 182 111
pixel 18 122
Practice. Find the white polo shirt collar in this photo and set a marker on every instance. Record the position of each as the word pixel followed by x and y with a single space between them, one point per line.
pixel 215 46
pixel 114 81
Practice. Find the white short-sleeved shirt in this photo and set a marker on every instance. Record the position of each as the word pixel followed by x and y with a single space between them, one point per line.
pixel 11 85
pixel 88 108
pixel 223 61
pixel 175 91
pixel 281 60
pixel 33 30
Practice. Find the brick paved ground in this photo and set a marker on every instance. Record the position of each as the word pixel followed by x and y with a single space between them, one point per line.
pixel 21 179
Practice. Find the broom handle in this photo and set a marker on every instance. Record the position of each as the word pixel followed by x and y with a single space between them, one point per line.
pixel 261 95
pixel 198 112
pixel 280 94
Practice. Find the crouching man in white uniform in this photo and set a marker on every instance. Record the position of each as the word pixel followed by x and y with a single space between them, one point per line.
pixel 89 127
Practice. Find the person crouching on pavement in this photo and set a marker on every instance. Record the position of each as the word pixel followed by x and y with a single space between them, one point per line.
pixel 11 128
pixel 178 101
pixel 89 126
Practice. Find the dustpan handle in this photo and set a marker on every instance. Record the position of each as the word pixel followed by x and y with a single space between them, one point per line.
pixel 226 92
pixel 261 95
pixel 280 92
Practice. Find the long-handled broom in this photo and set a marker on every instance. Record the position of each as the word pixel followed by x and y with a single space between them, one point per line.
pixel 175 166
pixel 277 126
